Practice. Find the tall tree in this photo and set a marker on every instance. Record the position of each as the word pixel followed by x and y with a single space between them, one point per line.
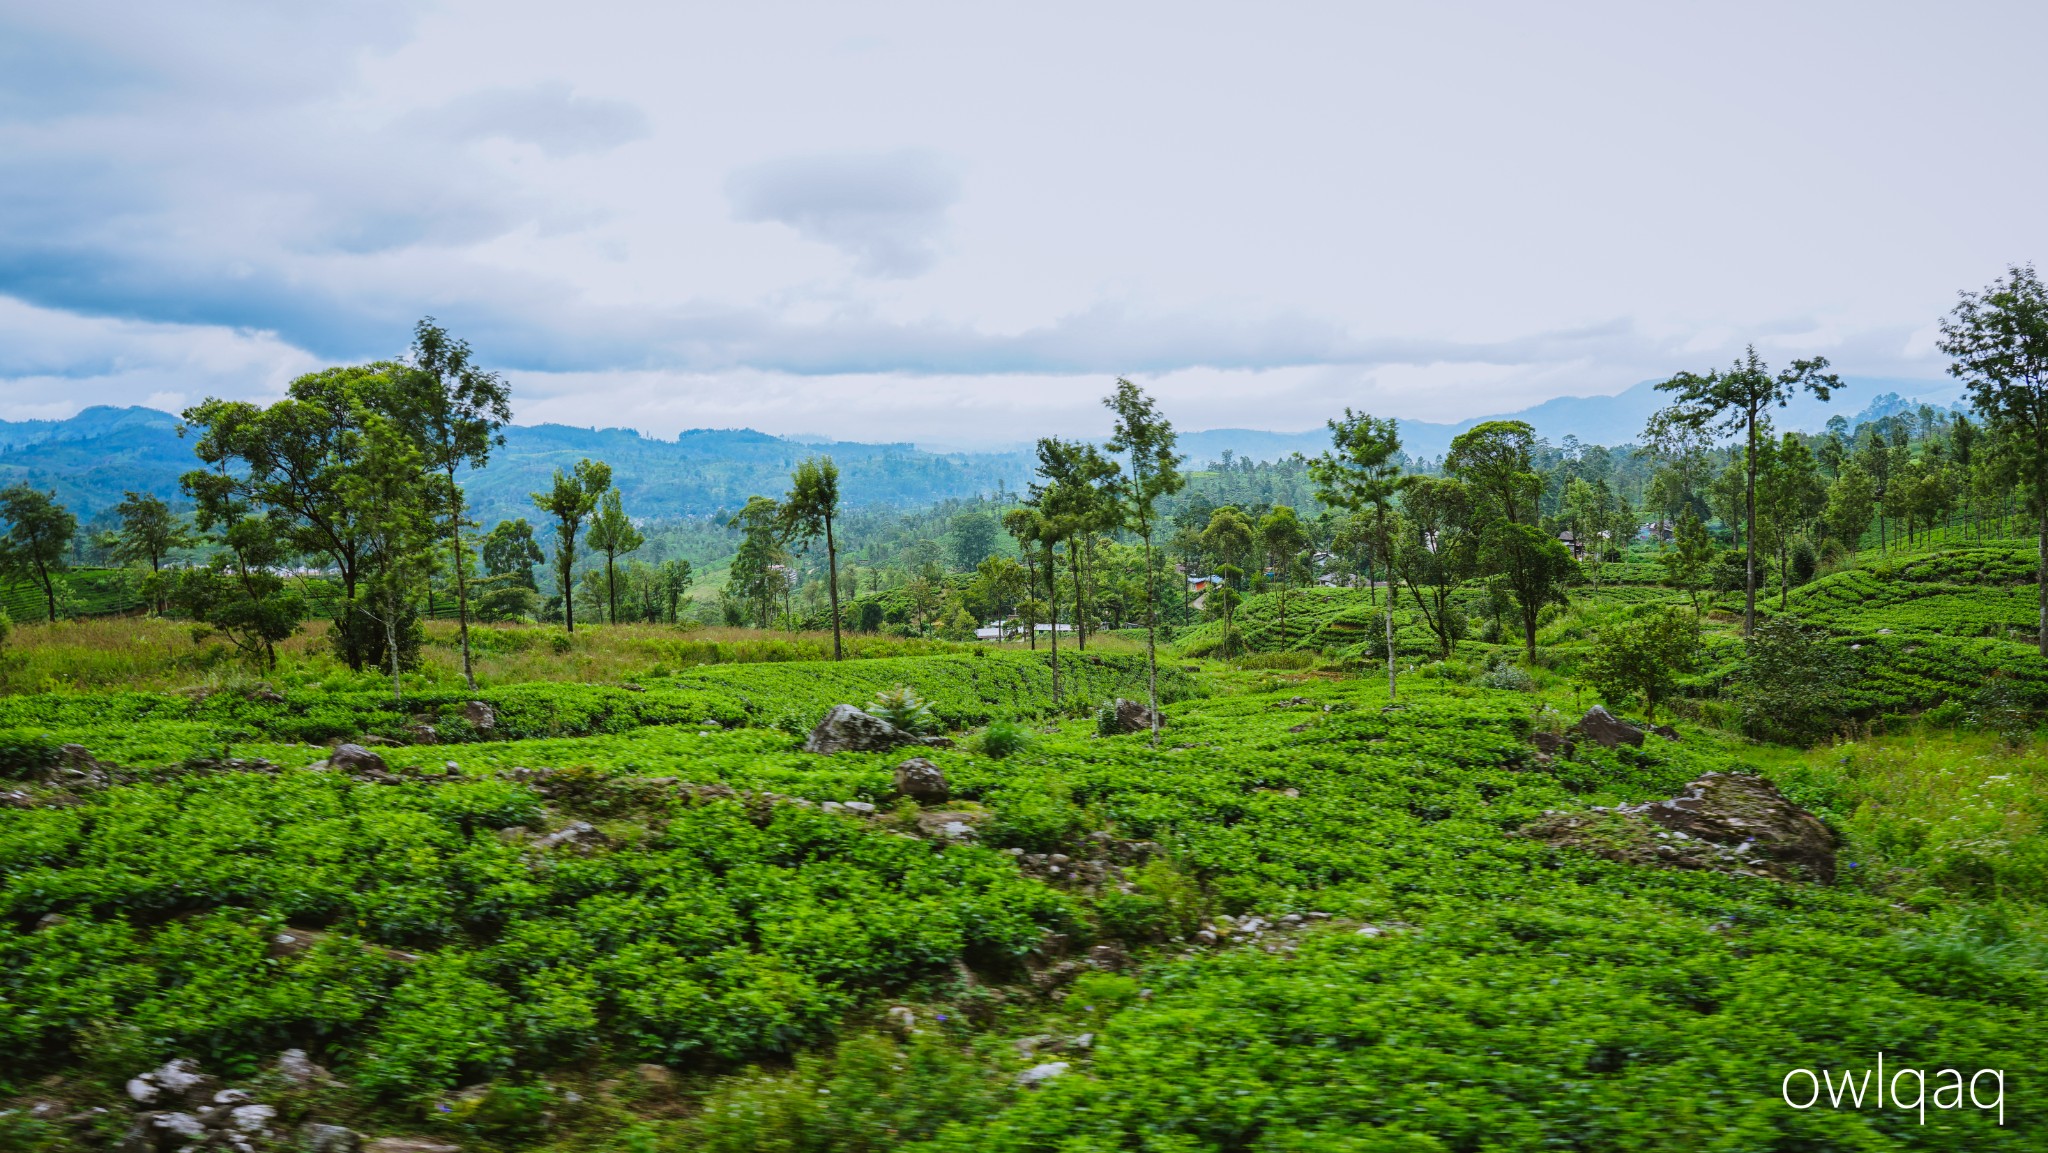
pixel 295 458
pixel 807 513
pixel 1074 493
pixel 1849 507
pixel 1282 537
pixel 510 552
pixel 239 591
pixel 759 576
pixel 1998 340
pixel 1740 398
pixel 1496 460
pixel 570 500
pixel 457 410
pixel 1034 529
pixel 1362 473
pixel 38 539
pixel 1025 526
pixel 612 533
pixel 149 531
pixel 1791 497
pixel 395 510
pixel 1439 552
pixel 1154 472
pixel 673 582
pixel 1688 562
pixel 1230 537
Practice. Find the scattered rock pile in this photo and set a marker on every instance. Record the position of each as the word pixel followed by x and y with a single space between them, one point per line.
pixel 1134 717
pixel 1725 822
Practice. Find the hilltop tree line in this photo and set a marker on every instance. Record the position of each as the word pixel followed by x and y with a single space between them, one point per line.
pixel 345 500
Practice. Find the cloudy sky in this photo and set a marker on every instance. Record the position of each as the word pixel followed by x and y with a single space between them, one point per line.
pixel 956 223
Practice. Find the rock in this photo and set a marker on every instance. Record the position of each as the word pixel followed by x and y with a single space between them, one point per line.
pixel 1300 728
pixel 1135 717
pixel 180 1125
pixel 1110 957
pixel 409 1145
pixel 352 758
pixel 949 825
pixel 578 834
pixel 937 742
pixel 76 757
pixel 1039 1074
pixel 655 1076
pixel 1549 743
pixel 848 730
pixel 1722 822
pixel 329 1139
pixel 922 781
pixel 287 943
pixel 251 1118
pixel 294 1066
pixel 143 1092
pixel 481 717
pixel 1665 731
pixel 178 1080
pixel 422 734
pixel 1606 730
pixel 861 807
pixel 1749 812
pixel 231 1097
pixel 902 1019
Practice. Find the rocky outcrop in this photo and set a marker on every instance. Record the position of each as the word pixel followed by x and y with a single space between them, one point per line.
pixel 1725 822
pixel 1606 730
pixel 848 730
pixel 352 758
pixel 922 781
pixel 481 717
pixel 1135 717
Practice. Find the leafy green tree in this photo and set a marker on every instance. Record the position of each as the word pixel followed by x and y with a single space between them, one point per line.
pixel 1154 473
pixel 149 531
pixel 807 512
pixel 1643 657
pixel 1740 398
pixel 395 510
pixel 239 591
pixel 759 577
pixel 1075 493
pixel 1439 551
pixel 1998 342
pixel 1229 538
pixel 973 536
pixel 1282 538
pixel 1792 682
pixel 1850 506
pixel 38 539
pixel 570 500
pixel 1362 473
pixel 672 580
pixel 612 533
pixel 510 552
pixel 997 587
pixel 1223 601
pixel 454 411
pixel 1790 497
pixel 1027 526
pixel 1495 460
pixel 1689 563
pixel 295 458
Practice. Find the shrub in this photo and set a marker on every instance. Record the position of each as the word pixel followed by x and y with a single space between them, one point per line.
pixel 1502 673
pixel 1003 738
pixel 903 708
pixel 1792 681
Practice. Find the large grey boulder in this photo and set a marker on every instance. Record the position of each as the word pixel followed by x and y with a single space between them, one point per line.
pixel 1722 822
pixel 1135 717
pixel 922 781
pixel 352 758
pixel 848 730
pixel 1607 730
pixel 481 716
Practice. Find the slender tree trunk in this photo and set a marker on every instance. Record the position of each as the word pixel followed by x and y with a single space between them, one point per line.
pixel 1052 583
pixel 49 590
pixel 1080 599
pixel 611 591
pixel 461 582
pixel 2041 578
pixel 1151 646
pixel 832 565
pixel 1748 554
pixel 391 646
pixel 1390 642
pixel 564 568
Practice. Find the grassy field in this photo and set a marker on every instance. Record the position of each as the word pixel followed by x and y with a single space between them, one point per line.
pixel 1303 922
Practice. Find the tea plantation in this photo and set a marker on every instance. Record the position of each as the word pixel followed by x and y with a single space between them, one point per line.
pixel 639 916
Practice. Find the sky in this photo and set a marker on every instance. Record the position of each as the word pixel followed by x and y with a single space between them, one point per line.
pixel 958 224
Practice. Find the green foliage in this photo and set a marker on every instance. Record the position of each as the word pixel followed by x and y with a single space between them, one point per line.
pixel 1003 738
pixel 1641 659
pixel 902 707
pixel 1792 681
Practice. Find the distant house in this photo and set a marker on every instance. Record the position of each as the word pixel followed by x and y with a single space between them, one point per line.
pixel 1201 584
pixel 1005 630
pixel 1572 542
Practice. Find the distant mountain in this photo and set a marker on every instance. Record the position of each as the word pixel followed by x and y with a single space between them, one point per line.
pixel 1608 420
pixel 92 458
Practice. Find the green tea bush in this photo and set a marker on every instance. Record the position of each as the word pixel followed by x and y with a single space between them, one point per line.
pixel 904 709
pixel 1003 738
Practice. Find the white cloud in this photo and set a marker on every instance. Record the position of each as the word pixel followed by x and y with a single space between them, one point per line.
pixel 886 210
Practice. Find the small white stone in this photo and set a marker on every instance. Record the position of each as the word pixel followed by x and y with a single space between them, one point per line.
pixel 252 1118
pixel 142 1091
pixel 1041 1073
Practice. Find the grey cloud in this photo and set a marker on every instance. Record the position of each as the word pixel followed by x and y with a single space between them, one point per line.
pixel 886 210
pixel 551 116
